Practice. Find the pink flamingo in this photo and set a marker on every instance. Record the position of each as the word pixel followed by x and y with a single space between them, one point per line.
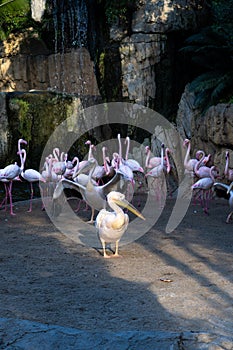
pixel 201 170
pixel 124 168
pixel 10 173
pixel 189 164
pixel 151 162
pixel 157 174
pixel 83 163
pixel 59 165
pixel 228 172
pixel 51 178
pixel 132 163
pixel 30 175
pixel 100 170
pixel 70 167
pixel 168 168
pixel 204 186
pixel 126 172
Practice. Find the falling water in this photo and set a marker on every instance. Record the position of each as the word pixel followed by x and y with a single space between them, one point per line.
pixel 37 9
pixel 70 20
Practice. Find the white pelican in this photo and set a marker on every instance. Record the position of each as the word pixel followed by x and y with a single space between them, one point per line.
pixel 112 225
pixel 94 195
pixel 225 191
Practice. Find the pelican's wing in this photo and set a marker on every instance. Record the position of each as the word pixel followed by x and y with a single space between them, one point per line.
pixel 221 190
pixel 112 185
pixel 100 217
pixel 64 183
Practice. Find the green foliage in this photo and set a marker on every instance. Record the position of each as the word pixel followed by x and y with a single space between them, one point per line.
pixel 14 16
pixel 25 119
pixel 211 50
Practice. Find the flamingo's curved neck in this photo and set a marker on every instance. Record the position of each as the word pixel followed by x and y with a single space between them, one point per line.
pixel 56 153
pixel 162 155
pixel 90 154
pixel 62 157
pixel 22 155
pixel 19 144
pixel 212 173
pixel 167 160
pixel 227 164
pixel 120 147
pixel 197 165
pixel 106 167
pixel 127 140
pixel 148 152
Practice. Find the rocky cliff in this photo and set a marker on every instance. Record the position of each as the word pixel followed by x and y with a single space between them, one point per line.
pixel 140 63
pixel 211 131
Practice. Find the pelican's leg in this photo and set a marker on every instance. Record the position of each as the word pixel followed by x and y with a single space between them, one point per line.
pixel 92 216
pixel 229 217
pixel 104 249
pixel 116 255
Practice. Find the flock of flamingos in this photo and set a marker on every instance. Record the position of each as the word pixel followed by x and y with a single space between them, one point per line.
pixel 95 181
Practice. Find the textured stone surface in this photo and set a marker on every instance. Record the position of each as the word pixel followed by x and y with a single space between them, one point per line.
pixel 139 54
pixel 143 49
pixel 26 335
pixel 166 15
pixel 186 112
pixel 212 132
pixel 27 64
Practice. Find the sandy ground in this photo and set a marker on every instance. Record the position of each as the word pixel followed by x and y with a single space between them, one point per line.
pixel 174 282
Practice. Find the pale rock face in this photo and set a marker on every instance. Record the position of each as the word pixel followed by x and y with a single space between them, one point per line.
pixel 186 113
pixel 160 16
pixel 139 54
pixel 141 51
pixel 71 72
pixel 211 132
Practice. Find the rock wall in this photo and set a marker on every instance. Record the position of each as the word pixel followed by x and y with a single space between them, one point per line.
pixel 146 45
pixel 26 64
pixel 211 131
pixel 139 55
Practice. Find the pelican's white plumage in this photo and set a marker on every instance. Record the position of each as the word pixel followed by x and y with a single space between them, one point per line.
pixel 112 225
pixel 228 194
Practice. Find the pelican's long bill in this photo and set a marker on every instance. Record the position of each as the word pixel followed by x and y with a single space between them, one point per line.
pixel 230 187
pixel 125 204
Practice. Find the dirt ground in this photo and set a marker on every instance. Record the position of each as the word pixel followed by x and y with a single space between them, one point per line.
pixel 174 282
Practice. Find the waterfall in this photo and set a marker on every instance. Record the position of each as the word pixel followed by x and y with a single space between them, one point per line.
pixel 37 9
pixel 70 23
pixel 70 20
